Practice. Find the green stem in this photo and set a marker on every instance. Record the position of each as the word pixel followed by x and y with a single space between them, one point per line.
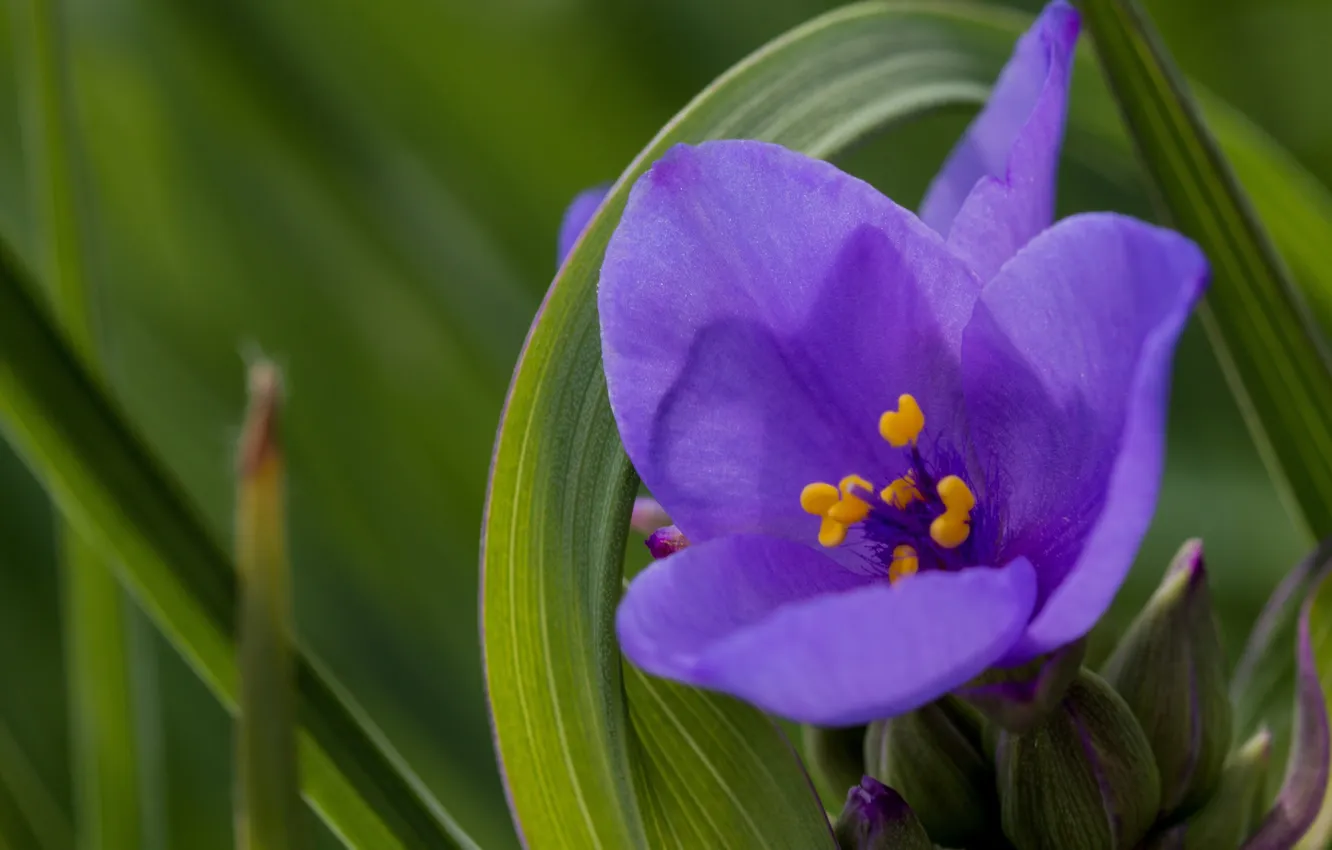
pixel 99 661
pixel 106 771
pixel 268 805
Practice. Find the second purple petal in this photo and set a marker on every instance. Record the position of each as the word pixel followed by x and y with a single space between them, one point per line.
pixel 1067 366
pixel 997 189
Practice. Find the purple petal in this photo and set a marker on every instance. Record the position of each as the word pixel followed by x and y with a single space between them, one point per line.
pixel 1304 790
pixel 1067 371
pixel 576 217
pixel 997 189
pixel 784 627
pixel 759 311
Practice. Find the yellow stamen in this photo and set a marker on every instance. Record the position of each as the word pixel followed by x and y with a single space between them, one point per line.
pixel 818 497
pixel 905 563
pixel 852 508
pixel 849 511
pixel 953 526
pixel 956 495
pixel 839 506
pixel 901 492
pixel 950 530
pixel 902 426
pixel 854 482
pixel 831 533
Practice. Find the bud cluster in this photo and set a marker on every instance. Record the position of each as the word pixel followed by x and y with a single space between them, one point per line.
pixel 1137 756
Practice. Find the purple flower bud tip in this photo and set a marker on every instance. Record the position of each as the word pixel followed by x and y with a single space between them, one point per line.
pixel 666 541
pixel 648 515
pixel 876 803
pixel 1190 560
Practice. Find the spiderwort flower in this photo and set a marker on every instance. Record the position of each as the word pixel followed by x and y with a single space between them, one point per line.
pixel 902 449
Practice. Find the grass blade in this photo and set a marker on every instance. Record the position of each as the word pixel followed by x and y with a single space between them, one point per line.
pixel 29 816
pixel 102 691
pixel 100 656
pixel 1273 353
pixel 268 812
pixel 113 490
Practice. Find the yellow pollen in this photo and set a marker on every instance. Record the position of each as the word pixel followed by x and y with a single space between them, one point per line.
pixel 951 528
pixel 901 492
pixel 831 533
pixel 902 426
pixel 854 481
pixel 905 563
pixel 956 495
pixel 839 506
pixel 818 497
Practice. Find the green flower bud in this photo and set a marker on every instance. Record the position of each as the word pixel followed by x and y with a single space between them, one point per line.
pixel 1018 698
pixel 1170 669
pixel 935 758
pixel 1228 817
pixel 1085 778
pixel 877 818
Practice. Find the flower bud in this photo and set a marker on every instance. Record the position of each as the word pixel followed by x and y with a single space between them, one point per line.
pixel 1084 778
pixel 935 758
pixel 666 541
pixel 877 818
pixel 1227 818
pixel 1018 698
pixel 1170 669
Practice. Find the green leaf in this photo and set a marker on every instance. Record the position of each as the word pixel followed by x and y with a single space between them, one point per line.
pixel 30 817
pixel 1263 680
pixel 112 490
pixel 1312 719
pixel 696 747
pixel 1264 334
pixel 100 657
pixel 268 801
pixel 103 690
pixel 1300 816
pixel 560 488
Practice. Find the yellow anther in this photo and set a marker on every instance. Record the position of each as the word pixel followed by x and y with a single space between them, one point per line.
pixel 901 492
pixel 905 563
pixel 831 533
pixel 839 506
pixel 849 511
pixel 956 495
pixel 903 425
pixel 818 497
pixel 950 530
pixel 851 483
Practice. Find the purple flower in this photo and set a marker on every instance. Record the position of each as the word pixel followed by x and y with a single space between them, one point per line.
pixel 903 450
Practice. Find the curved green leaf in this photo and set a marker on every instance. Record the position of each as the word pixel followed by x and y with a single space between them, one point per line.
pixel 579 770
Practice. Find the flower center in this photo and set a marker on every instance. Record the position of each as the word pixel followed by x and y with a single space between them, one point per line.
pixel 901 514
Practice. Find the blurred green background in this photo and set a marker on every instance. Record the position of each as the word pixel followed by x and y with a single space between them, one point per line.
pixel 369 193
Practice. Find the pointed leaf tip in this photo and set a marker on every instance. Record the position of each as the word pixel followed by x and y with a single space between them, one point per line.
pixel 259 437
